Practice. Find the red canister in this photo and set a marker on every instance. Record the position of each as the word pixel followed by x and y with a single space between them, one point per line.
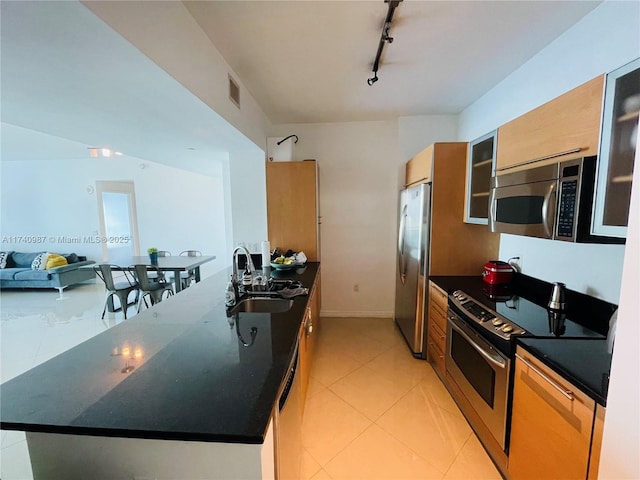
pixel 497 272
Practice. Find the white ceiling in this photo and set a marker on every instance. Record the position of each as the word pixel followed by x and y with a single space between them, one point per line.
pixel 308 61
pixel 67 74
pixel 70 82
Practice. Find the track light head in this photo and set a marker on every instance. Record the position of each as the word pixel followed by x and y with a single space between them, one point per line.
pixel 373 79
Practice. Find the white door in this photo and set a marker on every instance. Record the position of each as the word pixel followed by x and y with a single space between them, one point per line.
pixel 118 221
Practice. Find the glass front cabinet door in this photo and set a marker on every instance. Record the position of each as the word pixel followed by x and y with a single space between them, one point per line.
pixel 617 151
pixel 480 166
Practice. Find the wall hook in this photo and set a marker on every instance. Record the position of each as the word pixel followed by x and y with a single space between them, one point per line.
pixel 287 138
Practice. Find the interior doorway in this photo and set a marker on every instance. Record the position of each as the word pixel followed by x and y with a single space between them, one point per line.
pixel 118 221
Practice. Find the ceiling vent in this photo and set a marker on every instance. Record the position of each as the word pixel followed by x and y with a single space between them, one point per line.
pixel 234 92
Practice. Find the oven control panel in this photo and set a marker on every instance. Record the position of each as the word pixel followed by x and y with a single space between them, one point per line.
pixel 485 317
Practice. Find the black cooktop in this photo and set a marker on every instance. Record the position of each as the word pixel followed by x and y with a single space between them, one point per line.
pixel 523 304
pixel 580 353
pixel 535 320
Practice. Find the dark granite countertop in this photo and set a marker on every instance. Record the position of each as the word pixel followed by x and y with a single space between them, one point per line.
pixel 584 362
pixel 193 379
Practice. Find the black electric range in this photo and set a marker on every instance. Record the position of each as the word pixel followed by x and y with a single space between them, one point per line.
pixel 501 315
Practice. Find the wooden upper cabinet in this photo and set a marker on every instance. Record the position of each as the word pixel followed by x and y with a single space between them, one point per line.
pixel 292 207
pixel 456 247
pixel 563 128
pixel 480 167
pixel 419 168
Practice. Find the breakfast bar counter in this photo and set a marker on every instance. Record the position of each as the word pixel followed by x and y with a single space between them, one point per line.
pixel 182 370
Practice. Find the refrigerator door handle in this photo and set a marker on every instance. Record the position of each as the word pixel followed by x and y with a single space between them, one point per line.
pixel 402 264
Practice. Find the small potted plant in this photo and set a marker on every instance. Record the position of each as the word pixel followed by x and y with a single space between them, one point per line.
pixel 153 255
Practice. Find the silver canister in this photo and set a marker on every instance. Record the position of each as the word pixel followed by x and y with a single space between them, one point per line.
pixel 556 302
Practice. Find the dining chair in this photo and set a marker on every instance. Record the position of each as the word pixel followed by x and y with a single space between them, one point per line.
pixel 154 287
pixel 122 290
pixel 186 278
pixel 161 254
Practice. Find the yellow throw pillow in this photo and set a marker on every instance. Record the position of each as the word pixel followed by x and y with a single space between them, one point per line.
pixel 55 261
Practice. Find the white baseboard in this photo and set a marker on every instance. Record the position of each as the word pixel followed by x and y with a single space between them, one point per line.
pixel 326 313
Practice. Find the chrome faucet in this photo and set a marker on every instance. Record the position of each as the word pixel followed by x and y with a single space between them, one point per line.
pixel 234 278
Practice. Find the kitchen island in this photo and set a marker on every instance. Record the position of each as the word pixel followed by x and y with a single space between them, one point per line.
pixel 179 391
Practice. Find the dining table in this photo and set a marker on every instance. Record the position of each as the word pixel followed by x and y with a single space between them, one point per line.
pixel 173 264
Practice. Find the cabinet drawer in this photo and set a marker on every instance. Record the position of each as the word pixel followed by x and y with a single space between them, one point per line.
pixel 437 336
pixel 438 296
pixel 436 357
pixel 437 317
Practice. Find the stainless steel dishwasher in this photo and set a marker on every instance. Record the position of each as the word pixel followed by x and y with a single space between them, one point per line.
pixel 288 425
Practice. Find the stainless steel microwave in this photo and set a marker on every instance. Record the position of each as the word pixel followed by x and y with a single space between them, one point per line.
pixel 552 201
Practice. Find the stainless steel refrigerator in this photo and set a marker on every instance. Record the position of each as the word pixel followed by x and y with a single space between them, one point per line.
pixel 412 270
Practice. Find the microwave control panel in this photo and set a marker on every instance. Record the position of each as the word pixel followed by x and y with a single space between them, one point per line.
pixel 567 208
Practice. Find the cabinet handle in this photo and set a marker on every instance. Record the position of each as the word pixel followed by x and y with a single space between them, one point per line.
pixel 309 326
pixel 566 393
pixel 549 210
pixel 498 362
pixel 539 159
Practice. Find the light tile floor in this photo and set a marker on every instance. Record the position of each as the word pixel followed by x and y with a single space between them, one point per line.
pixel 372 412
pixel 34 327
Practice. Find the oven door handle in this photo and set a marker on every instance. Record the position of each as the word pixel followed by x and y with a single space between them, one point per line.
pixel 498 362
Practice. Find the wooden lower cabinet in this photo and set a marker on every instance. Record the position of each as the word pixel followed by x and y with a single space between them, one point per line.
pixel 308 335
pixel 551 424
pixel 596 443
pixel 437 328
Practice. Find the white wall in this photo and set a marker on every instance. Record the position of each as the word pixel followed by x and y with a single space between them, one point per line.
pixel 361 168
pixel 578 55
pixel 177 209
pixel 167 34
pixel 621 441
pixel 419 131
pixel 606 38
pixel 248 200
pixel 358 201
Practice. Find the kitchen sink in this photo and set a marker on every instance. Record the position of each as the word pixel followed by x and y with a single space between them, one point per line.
pixel 262 305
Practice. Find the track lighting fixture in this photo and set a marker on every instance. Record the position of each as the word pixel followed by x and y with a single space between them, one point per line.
pixel 384 37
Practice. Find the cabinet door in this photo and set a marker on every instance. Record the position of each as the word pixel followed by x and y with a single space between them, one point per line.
pixel 308 336
pixel 596 443
pixel 456 247
pixel 480 167
pixel 304 359
pixel 292 214
pixel 617 151
pixel 551 424
pixel 563 128
pixel 418 169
